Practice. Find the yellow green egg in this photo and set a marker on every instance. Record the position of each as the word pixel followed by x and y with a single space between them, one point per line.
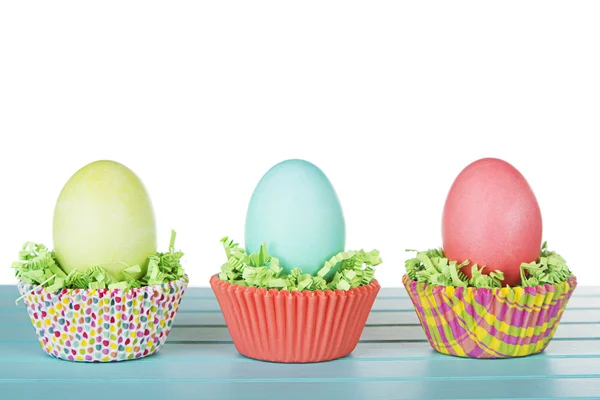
pixel 104 216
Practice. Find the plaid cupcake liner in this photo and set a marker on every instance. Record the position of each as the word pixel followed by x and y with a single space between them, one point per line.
pixel 489 323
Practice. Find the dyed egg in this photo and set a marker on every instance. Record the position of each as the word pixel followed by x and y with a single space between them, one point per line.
pixel 295 210
pixel 491 217
pixel 103 216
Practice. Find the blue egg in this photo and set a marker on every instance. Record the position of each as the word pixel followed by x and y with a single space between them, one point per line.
pixel 295 210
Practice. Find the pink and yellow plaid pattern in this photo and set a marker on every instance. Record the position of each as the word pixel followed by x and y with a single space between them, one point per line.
pixel 489 323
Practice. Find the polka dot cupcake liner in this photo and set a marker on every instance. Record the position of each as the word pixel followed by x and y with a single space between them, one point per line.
pixel 103 325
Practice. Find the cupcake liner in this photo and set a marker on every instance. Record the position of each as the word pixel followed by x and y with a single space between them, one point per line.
pixel 103 325
pixel 489 323
pixel 294 327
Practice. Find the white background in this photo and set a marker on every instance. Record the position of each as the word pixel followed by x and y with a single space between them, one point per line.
pixel 390 99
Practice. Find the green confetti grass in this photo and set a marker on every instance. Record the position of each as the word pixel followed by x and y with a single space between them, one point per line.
pixel 356 268
pixel 432 267
pixel 39 266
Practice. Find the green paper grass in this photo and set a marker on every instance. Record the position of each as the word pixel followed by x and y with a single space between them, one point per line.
pixel 39 266
pixel 432 267
pixel 263 271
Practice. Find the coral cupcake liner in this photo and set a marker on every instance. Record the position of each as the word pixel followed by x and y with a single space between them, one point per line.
pixel 489 323
pixel 294 327
pixel 103 325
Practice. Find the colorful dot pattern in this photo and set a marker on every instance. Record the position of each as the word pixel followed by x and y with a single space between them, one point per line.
pixel 103 325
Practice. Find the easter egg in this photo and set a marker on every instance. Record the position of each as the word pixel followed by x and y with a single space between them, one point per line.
pixel 491 217
pixel 295 210
pixel 103 216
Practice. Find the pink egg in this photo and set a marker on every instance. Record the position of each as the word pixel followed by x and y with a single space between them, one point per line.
pixel 491 217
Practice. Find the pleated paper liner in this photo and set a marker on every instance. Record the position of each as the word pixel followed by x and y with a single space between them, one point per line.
pixel 489 323
pixel 103 325
pixel 294 327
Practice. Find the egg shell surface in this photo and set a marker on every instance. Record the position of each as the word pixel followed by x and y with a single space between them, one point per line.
pixel 104 216
pixel 295 210
pixel 491 217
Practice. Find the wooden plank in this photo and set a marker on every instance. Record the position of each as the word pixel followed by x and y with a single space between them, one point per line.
pixel 30 351
pixel 380 304
pixel 72 389
pixel 375 318
pixel 385 333
pixel 333 371
pixel 18 333
pixel 215 318
pixel 393 361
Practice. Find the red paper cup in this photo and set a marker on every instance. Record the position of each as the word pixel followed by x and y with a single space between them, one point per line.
pixel 294 327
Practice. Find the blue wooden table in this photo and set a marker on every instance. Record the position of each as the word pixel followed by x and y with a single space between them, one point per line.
pixel 392 361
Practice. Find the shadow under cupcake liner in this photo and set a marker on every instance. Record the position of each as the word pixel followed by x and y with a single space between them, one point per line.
pixel 489 323
pixel 294 327
pixel 103 325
